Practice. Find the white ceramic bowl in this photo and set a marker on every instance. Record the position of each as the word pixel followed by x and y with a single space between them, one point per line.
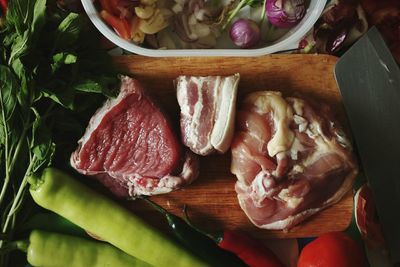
pixel 288 41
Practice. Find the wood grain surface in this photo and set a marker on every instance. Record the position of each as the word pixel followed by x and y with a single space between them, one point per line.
pixel 211 199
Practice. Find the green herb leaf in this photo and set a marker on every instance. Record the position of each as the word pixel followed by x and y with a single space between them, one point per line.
pixel 89 86
pixel 23 94
pixel 67 32
pixel 63 97
pixel 53 75
pixel 27 17
pixel 20 14
pixel 9 39
pixel 47 151
pixel 20 46
pixel 61 59
pixel 26 14
pixel 18 68
pixel 8 93
pixel 41 144
pixel 39 17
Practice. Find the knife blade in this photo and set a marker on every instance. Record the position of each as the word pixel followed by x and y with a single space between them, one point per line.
pixel 369 81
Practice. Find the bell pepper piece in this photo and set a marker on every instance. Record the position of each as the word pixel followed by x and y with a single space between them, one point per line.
pixel 121 26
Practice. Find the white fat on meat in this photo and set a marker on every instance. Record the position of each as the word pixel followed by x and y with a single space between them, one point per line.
pixel 271 102
pixel 168 183
pixel 311 165
pixel 208 106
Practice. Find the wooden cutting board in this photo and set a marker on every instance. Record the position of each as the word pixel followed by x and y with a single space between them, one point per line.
pixel 211 199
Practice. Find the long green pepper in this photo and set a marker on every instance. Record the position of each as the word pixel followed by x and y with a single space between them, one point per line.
pixel 57 250
pixel 60 193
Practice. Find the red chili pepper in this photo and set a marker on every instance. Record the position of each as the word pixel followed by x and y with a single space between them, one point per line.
pixel 121 26
pixel 4 6
pixel 250 251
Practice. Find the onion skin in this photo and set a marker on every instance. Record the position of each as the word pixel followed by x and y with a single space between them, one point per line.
pixel 244 33
pixel 285 13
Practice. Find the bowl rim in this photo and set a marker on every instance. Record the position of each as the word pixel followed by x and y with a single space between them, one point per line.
pixel 291 42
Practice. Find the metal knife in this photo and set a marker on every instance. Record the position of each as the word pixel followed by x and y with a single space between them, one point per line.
pixel 369 81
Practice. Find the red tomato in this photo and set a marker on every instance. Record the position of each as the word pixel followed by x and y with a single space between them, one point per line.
pixel 332 250
pixel 120 25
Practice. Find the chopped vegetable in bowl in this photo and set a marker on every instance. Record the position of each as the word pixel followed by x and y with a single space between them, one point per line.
pixel 200 24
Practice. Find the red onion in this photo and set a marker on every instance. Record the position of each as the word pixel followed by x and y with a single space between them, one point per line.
pixel 244 33
pixel 285 13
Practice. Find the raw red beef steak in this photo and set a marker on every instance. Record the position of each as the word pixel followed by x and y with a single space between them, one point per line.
pixel 131 148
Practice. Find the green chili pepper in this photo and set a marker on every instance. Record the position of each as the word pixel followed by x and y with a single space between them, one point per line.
pixel 54 223
pixel 60 193
pixel 199 243
pixel 58 250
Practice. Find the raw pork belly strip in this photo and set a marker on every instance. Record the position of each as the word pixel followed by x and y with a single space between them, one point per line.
pixel 208 107
pixel 291 160
pixel 130 147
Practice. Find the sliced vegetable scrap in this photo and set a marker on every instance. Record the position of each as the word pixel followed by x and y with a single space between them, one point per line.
pixel 120 25
pixel 132 20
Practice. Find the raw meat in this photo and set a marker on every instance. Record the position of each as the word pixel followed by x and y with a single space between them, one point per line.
pixel 131 148
pixel 290 158
pixel 208 107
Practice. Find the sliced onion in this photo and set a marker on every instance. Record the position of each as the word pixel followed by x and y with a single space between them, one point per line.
pixel 285 13
pixel 182 29
pixel 194 6
pixel 201 14
pixel 244 33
